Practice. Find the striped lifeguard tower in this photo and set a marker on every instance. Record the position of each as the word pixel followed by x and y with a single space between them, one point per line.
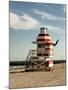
pixel 42 56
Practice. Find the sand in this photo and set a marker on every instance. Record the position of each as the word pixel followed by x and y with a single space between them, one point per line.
pixel 39 78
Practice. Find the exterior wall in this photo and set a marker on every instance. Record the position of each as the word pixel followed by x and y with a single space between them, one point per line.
pixel 50 63
pixel 45 49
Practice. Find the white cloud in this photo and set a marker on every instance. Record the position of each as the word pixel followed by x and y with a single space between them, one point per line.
pixel 26 22
pixel 47 15
pixel 54 29
pixel 22 22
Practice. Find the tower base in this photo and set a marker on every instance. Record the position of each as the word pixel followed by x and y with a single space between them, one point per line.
pixel 35 62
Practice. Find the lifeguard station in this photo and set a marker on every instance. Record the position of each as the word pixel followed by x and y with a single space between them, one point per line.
pixel 41 57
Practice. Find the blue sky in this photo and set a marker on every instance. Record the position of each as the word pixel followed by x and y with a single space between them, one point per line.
pixel 26 18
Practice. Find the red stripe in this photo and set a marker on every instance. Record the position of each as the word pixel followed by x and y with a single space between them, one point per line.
pixel 43 39
pixel 47 44
pixel 50 62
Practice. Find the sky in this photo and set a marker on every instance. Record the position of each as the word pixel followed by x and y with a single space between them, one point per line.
pixel 26 18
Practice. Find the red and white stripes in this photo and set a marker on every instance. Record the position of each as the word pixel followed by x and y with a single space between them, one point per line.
pixel 45 45
pixel 47 48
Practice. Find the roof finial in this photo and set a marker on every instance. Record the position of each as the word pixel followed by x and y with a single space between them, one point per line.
pixel 43 30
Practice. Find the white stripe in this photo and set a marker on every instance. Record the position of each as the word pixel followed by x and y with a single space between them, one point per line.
pixel 51 65
pixel 50 56
pixel 44 48
pixel 43 42
pixel 47 59
pixel 50 41
pixel 51 52
pixel 44 37
pixel 51 47
pixel 45 52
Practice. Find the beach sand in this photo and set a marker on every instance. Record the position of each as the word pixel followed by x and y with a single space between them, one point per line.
pixel 39 78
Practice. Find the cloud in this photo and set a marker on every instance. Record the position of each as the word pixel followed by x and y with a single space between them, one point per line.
pixel 47 15
pixel 26 22
pixel 22 22
pixel 55 29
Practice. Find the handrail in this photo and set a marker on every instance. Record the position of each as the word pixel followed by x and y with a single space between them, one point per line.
pixel 31 53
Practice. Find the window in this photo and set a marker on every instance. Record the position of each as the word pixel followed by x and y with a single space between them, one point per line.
pixel 42 54
pixel 40 46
